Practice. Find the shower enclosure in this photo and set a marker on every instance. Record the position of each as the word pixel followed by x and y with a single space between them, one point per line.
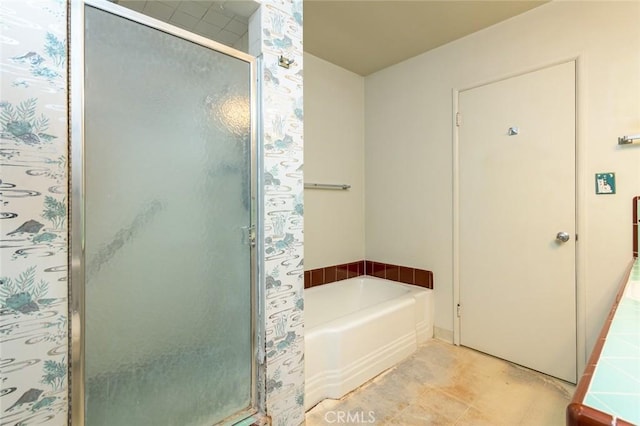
pixel 163 209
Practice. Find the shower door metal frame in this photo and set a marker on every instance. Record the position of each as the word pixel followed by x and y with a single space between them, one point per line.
pixel 77 199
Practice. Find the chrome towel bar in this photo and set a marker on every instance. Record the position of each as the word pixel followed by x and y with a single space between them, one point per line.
pixel 627 140
pixel 340 186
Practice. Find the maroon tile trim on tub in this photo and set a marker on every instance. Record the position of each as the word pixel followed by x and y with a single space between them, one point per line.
pixel 403 274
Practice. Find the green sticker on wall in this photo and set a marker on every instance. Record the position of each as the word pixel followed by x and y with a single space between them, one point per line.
pixel 605 183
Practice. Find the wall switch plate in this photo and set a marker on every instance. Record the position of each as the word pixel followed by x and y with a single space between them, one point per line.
pixel 605 183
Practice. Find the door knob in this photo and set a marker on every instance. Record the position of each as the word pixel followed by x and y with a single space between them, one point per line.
pixel 562 237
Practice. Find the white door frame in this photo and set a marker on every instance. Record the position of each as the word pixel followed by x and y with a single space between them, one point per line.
pixel 581 192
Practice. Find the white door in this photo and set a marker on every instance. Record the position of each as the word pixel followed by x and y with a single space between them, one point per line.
pixel 516 193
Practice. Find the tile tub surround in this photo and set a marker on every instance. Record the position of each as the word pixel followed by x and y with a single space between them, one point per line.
pixel 610 385
pixel 402 274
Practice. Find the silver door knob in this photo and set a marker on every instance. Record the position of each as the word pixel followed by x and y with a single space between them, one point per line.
pixel 562 237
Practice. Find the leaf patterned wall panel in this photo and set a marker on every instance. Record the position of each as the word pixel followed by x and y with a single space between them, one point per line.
pixel 282 118
pixel 33 215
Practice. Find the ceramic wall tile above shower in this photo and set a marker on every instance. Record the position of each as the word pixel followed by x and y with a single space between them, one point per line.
pixel 223 21
pixel 33 216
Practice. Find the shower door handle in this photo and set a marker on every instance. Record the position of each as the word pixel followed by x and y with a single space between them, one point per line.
pixel 249 235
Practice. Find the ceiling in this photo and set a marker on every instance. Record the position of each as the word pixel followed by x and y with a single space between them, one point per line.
pixel 366 36
pixel 363 36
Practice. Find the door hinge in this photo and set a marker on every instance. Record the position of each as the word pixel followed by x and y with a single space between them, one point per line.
pixel 261 356
pixel 458 119
pixel 459 310
pixel 576 237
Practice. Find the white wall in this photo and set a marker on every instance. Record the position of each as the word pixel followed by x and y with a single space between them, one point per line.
pixel 333 153
pixel 408 135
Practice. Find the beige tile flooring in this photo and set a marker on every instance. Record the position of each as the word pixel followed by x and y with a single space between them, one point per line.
pixel 443 384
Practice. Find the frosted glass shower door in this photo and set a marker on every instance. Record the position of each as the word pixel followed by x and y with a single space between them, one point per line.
pixel 168 198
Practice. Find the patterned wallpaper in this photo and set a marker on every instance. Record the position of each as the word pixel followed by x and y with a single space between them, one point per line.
pixel 33 216
pixel 34 205
pixel 283 210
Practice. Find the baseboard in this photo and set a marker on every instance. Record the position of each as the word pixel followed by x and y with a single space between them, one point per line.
pixel 443 334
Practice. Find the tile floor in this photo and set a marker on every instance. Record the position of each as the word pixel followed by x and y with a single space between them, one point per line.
pixel 443 384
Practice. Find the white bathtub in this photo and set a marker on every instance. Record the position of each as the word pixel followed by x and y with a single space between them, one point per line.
pixel 357 328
